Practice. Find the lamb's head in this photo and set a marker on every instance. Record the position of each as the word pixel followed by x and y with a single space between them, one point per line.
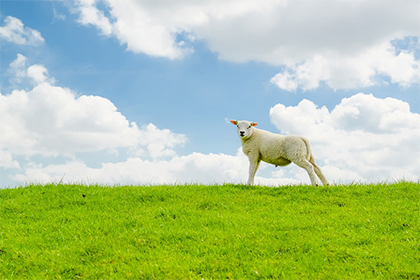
pixel 244 128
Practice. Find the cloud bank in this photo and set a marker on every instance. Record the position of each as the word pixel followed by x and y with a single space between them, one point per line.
pixel 365 69
pixel 363 138
pixel 350 44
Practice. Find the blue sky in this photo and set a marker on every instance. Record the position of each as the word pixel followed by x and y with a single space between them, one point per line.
pixel 140 92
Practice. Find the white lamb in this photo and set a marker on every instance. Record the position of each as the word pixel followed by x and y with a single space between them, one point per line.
pixel 276 149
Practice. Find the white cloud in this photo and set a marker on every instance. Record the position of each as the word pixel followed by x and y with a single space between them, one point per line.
pixel 136 26
pixel 38 73
pixel 353 71
pixel 6 160
pixel 34 74
pixel 193 168
pixel 153 27
pixel 346 46
pixel 50 120
pixel 17 69
pixel 14 31
pixel 362 138
pixel 89 14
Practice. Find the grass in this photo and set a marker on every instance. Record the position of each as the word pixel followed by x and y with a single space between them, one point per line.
pixel 212 232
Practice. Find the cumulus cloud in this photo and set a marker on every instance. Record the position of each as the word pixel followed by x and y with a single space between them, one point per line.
pixel 38 73
pixel 21 74
pixel 362 138
pixel 193 168
pixel 346 72
pixel 345 46
pixel 52 121
pixel 90 15
pixel 16 32
pixel 6 160
pixel 135 25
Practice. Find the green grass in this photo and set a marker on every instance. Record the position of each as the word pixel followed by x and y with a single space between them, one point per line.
pixel 212 232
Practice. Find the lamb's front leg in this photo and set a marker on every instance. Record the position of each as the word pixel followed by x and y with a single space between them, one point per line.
pixel 253 167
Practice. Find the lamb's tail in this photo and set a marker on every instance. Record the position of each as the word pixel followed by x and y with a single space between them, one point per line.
pixel 309 155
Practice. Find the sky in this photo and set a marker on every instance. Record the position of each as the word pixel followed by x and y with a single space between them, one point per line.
pixel 141 92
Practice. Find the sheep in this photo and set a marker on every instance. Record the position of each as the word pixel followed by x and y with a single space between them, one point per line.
pixel 279 150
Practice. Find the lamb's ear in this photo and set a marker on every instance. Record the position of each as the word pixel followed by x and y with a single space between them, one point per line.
pixel 234 122
pixel 254 124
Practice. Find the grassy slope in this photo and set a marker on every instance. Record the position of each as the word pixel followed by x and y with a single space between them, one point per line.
pixel 72 231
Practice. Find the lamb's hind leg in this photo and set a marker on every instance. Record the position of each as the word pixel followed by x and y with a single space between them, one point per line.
pixel 309 168
pixel 319 172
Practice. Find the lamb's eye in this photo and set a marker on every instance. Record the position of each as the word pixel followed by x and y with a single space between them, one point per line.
pixel 237 126
pixel 249 127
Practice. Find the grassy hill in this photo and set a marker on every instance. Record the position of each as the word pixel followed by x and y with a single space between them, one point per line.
pixel 217 232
